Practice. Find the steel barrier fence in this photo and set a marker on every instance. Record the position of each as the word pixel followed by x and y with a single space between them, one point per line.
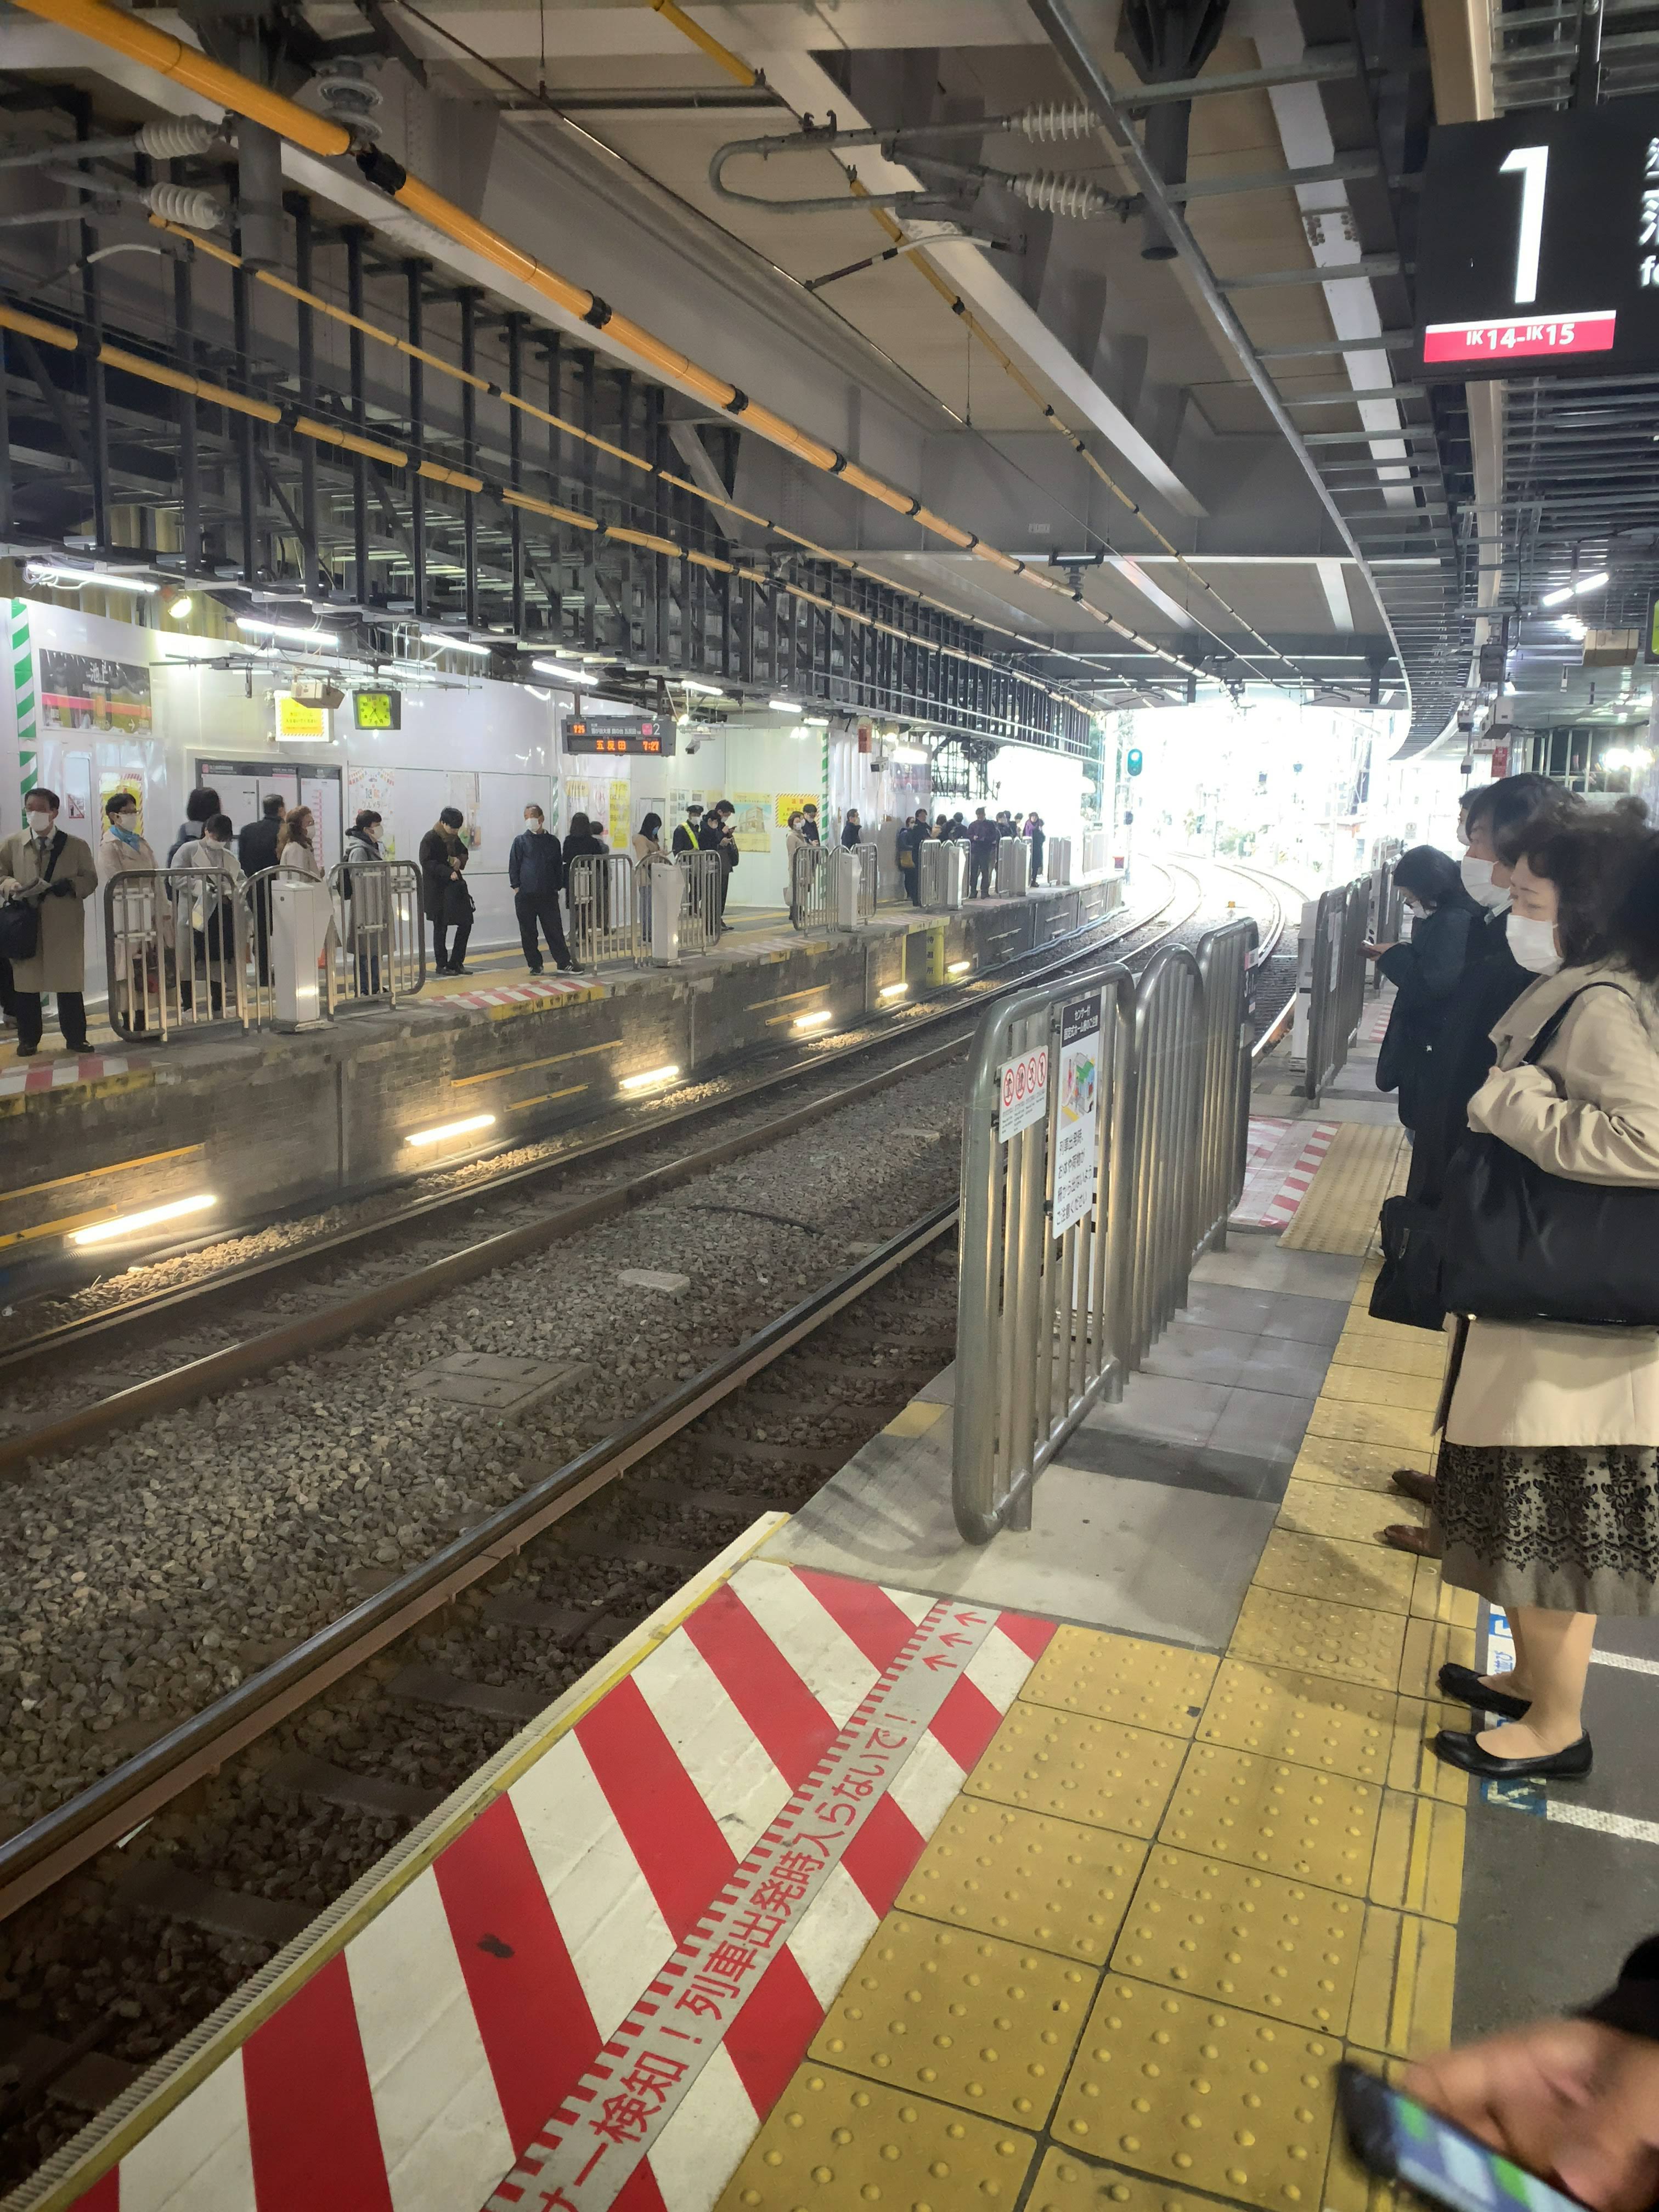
pixel 700 875
pixel 1013 869
pixel 1057 862
pixel 1331 981
pixel 811 900
pixel 167 931
pixel 379 942
pixel 604 925
pixel 869 881
pixel 1102 1151
pixel 1097 849
pixel 943 865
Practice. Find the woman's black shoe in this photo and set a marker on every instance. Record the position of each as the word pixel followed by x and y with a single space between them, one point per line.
pixel 1464 1684
pixel 1458 1749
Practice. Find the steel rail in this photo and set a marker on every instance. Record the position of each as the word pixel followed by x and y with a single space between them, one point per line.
pixel 58 1843
pixel 584 1152
pixel 53 1846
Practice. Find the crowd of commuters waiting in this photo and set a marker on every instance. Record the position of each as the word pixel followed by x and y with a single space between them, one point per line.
pixel 1527 1012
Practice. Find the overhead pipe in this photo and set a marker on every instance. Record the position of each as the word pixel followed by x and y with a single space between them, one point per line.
pixel 184 65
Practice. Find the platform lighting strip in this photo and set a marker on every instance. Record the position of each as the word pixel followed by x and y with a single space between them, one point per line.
pixel 648 1078
pixel 892 990
pixel 959 967
pixel 134 1225
pixel 51 578
pixel 451 1129
pixel 814 1020
pixel 255 626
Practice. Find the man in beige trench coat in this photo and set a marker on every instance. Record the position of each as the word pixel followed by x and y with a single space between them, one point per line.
pixel 46 867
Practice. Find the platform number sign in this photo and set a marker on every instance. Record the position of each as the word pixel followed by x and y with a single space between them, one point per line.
pixel 1538 244
pixel 1133 761
pixel 1023 1092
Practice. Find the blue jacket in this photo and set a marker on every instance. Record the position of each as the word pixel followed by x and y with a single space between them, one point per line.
pixel 534 864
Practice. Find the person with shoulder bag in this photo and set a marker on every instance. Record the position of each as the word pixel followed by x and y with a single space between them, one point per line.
pixel 444 895
pixel 46 876
pixel 1424 969
pixel 1546 1498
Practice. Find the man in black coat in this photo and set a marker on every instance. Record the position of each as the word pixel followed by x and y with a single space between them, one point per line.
pixel 717 835
pixel 535 871
pixel 256 848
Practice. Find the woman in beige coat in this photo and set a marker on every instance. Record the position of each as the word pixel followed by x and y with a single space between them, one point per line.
pixel 1546 1500
pixel 143 917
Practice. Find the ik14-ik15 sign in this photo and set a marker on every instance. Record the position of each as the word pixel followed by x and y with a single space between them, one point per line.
pixel 1538 244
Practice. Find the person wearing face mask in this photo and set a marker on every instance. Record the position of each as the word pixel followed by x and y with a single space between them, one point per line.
pixel 1424 971
pixel 1547 1499
pixel 1491 982
pixel 43 868
pixel 535 871
pixel 208 910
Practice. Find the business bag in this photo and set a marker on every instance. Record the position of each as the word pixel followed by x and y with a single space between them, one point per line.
pixel 1522 1244
pixel 20 918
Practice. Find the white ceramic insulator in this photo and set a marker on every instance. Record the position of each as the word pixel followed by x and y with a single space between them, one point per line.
pixel 185 204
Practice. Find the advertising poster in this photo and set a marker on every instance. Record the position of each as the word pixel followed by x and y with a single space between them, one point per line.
pixel 367 786
pixel 464 794
pixel 112 779
pixel 77 774
pixel 620 794
pixel 796 802
pixel 79 691
pixel 1074 1138
pixel 753 828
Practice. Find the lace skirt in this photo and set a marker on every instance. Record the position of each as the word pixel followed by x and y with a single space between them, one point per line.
pixel 1571 1528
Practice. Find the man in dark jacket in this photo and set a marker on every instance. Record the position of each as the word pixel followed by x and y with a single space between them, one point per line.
pixel 445 897
pixel 535 870
pixel 809 827
pixel 983 838
pixel 256 848
pixel 686 837
pixel 716 836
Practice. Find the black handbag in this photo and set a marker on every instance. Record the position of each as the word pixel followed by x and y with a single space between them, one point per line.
pixel 1522 1244
pixel 1408 1287
pixel 20 918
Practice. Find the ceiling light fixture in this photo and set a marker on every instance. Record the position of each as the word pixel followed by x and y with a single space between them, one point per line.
pixel 256 626
pixel 73 579
pixel 178 606
pixel 553 668
pixel 454 644
pixel 782 707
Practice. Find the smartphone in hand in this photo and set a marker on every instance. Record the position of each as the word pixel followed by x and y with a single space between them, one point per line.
pixel 1397 2137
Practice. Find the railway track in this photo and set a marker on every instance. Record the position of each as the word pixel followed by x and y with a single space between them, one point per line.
pixel 492 1625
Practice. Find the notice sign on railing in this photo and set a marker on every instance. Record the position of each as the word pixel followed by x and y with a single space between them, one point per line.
pixel 1080 1085
pixel 1022 1089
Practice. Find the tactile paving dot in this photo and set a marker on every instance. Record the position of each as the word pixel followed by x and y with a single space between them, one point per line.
pixel 1285 1820
pixel 1027 1877
pixel 1342 1728
pixel 1073 2184
pixel 1215 1931
pixel 1342 1573
pixel 1202 2094
pixel 834 2140
pixel 1363 1467
pixel 1348 1641
pixel 1100 1772
pixel 948 2012
pixel 1121 1678
pixel 1337 1509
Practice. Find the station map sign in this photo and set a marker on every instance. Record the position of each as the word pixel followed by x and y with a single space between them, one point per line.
pixel 1537 244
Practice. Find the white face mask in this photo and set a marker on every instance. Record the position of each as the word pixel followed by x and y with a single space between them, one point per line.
pixel 1532 943
pixel 1478 882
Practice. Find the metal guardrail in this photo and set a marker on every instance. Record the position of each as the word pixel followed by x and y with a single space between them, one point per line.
pixel 943 864
pixel 1331 980
pixel 380 945
pixel 869 890
pixel 1102 1152
pixel 604 923
pixel 175 953
pixel 1057 863
pixel 700 877
pixel 1013 869
pixel 1095 849
pixel 811 901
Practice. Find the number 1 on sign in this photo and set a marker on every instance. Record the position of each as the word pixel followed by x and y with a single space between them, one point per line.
pixel 1532 164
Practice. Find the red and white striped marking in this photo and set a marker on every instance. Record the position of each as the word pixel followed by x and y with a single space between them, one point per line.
pixel 1282 1160
pixel 413 2071
pixel 62 1072
pixel 522 995
pixel 1374 1023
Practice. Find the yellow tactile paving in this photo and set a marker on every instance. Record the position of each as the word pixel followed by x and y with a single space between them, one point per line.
pixel 1402 1994
pixel 1435 1601
pixel 1212 1929
pixel 1351 1642
pixel 1344 1573
pixel 1347 1384
pixel 1358 1465
pixel 1344 1423
pixel 1427 1647
pixel 1201 2093
pixel 1341 1728
pixel 1339 1509
pixel 1027 1877
pixel 1073 2185
pixel 951 2013
pixel 835 2140
pixel 1419 1861
pixel 1339 1213
pixel 1387 1350
pixel 1267 1813
pixel 1122 1678
pixel 1080 1768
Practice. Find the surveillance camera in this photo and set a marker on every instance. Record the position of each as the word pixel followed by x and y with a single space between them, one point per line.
pixel 691 744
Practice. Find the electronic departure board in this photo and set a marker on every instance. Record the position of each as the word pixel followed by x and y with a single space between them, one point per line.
pixel 618 733
pixel 1538 244
pixel 379 710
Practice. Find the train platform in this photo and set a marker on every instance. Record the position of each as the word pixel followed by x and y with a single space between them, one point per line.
pixel 880 1869
pixel 269 1121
